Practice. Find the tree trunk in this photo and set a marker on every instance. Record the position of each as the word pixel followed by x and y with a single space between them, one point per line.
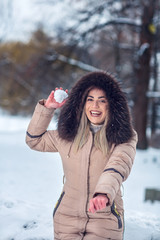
pixel 143 75
pixel 155 88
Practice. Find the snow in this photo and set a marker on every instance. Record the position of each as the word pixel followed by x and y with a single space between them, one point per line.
pixel 74 62
pixel 153 94
pixel 31 182
pixel 143 48
pixel 60 95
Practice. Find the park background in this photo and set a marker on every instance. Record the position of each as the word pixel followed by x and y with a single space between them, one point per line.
pixel 45 44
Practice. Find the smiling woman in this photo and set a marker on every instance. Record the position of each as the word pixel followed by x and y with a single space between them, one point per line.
pixel 96 106
pixel 94 118
pixel 97 145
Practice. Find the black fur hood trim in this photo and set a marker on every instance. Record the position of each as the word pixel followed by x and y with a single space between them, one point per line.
pixel 119 128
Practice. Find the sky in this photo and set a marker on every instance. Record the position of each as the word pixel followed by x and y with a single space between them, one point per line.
pixel 18 19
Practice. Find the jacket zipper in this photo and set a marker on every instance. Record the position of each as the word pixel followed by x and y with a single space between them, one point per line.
pixel 88 176
pixel 58 203
pixel 116 214
pixel 88 188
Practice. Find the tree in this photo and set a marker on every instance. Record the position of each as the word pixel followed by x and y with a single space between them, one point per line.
pixel 128 29
pixel 143 70
pixel 29 71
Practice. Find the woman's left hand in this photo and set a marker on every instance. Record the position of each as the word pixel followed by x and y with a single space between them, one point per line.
pixel 97 203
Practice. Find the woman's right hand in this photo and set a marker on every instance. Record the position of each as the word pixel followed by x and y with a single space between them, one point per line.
pixel 51 102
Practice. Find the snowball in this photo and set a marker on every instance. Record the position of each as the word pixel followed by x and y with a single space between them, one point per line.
pixel 60 95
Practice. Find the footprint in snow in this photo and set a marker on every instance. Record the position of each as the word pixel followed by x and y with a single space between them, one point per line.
pixel 30 225
pixel 8 204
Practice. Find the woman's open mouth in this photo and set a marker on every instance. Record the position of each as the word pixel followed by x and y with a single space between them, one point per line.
pixel 95 113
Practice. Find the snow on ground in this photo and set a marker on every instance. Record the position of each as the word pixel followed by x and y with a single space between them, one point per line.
pixel 31 182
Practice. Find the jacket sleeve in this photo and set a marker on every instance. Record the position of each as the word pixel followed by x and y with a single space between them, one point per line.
pixel 37 136
pixel 117 169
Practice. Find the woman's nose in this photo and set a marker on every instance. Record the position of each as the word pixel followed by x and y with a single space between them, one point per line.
pixel 95 104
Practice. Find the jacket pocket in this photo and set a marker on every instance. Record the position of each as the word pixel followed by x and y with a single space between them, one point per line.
pixel 116 214
pixel 58 203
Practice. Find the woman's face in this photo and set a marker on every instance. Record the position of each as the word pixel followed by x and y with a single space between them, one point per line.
pixel 96 106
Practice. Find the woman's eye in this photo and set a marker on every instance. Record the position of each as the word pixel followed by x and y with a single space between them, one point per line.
pixel 89 99
pixel 103 101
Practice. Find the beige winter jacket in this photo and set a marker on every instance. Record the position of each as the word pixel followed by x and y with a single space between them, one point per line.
pixel 87 172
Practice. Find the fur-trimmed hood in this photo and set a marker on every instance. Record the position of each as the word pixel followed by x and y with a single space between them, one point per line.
pixel 119 128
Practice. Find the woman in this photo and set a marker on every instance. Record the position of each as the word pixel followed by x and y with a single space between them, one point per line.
pixel 97 145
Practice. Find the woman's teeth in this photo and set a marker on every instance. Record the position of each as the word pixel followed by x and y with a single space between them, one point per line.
pixel 95 113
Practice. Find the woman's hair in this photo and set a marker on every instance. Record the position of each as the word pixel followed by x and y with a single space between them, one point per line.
pixel 100 140
pixel 119 124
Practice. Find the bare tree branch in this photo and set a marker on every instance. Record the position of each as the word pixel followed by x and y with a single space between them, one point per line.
pixel 56 56
pixel 119 21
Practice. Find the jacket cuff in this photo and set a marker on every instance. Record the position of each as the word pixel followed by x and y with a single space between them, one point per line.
pixel 41 108
pixel 96 194
pixel 109 192
pixel 40 120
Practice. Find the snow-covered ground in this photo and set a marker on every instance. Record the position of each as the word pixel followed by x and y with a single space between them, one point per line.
pixel 30 183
